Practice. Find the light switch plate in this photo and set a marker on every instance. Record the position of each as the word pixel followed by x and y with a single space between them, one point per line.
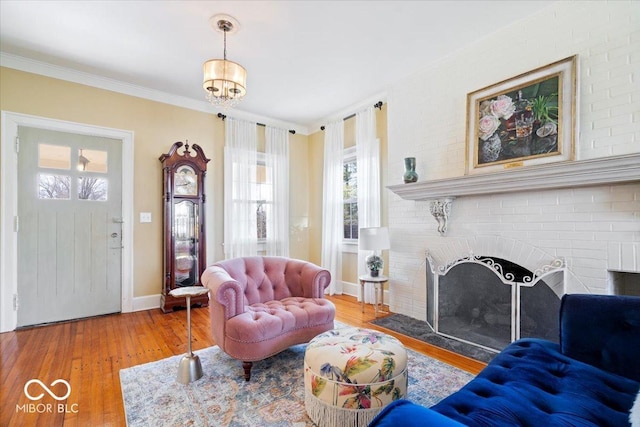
pixel 145 216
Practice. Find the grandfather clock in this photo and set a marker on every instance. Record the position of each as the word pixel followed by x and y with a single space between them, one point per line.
pixel 183 169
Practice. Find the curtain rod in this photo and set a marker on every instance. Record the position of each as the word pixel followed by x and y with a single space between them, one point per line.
pixel 376 105
pixel 222 116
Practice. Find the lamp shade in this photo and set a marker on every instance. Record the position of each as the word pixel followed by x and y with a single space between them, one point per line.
pixel 373 238
pixel 224 79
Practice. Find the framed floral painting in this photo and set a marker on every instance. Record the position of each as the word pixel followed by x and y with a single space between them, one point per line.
pixel 526 120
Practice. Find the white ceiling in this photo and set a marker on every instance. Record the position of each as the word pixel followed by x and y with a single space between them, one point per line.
pixel 307 61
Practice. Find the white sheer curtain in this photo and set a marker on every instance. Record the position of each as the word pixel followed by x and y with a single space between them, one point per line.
pixel 368 164
pixel 240 193
pixel 332 204
pixel 277 166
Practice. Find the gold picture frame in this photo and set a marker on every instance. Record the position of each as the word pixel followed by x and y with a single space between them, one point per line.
pixel 526 120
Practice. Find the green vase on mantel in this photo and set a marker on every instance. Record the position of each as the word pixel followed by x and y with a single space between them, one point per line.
pixel 410 174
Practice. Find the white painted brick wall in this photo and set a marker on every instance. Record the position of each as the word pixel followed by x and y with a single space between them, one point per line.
pixel 595 228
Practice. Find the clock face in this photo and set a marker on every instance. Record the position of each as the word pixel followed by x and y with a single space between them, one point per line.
pixel 185 182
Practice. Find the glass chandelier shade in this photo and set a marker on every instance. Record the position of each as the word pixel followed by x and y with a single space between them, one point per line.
pixel 225 82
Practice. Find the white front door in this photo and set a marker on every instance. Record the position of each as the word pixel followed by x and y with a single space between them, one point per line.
pixel 69 226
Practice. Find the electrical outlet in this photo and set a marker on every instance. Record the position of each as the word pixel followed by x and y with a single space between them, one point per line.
pixel 145 216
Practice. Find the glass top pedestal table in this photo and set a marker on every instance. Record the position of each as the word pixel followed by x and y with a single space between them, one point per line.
pixel 190 368
pixel 378 288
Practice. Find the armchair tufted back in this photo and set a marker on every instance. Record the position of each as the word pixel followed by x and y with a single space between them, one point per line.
pixel 266 279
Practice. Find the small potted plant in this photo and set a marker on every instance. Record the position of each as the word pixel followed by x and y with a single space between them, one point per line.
pixel 374 264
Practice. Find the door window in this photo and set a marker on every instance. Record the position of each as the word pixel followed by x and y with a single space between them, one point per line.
pixel 54 186
pixel 54 156
pixel 90 188
pixel 58 187
pixel 92 161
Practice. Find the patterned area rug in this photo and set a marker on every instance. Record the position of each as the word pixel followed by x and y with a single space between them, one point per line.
pixel 420 330
pixel 273 397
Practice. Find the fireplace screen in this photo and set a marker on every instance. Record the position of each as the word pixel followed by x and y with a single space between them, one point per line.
pixel 491 302
pixel 474 305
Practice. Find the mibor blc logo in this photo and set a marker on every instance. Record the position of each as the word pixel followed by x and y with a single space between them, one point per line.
pixel 31 392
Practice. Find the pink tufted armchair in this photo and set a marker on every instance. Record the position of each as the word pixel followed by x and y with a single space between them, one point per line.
pixel 261 306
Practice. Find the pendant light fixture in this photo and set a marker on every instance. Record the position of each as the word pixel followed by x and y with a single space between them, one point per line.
pixel 225 82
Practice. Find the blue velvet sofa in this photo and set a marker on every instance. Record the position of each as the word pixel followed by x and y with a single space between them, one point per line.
pixel 590 379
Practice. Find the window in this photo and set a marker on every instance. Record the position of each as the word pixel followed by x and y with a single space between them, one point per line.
pixel 92 161
pixel 264 193
pixel 54 156
pixel 91 188
pixel 350 195
pixel 59 187
pixel 54 186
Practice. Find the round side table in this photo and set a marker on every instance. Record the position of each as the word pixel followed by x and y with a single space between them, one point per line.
pixel 190 368
pixel 378 288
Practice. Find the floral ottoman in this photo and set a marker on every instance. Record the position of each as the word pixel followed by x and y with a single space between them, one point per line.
pixel 350 374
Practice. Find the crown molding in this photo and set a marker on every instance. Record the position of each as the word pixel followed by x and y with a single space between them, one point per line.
pixel 62 73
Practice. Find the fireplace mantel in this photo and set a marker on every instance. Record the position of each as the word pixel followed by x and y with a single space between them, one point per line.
pixel 581 173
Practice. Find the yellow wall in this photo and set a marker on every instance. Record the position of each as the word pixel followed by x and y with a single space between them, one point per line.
pixel 299 191
pixel 156 127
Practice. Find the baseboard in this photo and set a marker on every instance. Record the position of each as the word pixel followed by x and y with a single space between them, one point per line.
pixel 351 289
pixel 146 302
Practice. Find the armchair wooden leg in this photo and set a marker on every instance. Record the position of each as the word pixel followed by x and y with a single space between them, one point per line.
pixel 247 370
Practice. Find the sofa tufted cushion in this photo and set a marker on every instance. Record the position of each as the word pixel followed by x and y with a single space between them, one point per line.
pixel 407 414
pixel 264 321
pixel 602 330
pixel 531 383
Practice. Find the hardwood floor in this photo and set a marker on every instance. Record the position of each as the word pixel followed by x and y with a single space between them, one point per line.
pixel 89 354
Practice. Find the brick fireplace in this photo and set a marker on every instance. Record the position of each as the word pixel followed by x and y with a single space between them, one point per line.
pixel 594 229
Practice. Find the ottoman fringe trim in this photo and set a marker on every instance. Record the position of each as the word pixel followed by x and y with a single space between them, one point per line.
pixel 326 415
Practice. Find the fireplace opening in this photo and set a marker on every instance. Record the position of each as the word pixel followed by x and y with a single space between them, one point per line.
pixel 490 302
pixel 625 283
pixel 474 305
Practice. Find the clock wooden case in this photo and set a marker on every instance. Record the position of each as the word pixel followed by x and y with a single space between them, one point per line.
pixel 183 168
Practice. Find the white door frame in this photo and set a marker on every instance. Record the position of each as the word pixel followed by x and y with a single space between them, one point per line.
pixel 9 206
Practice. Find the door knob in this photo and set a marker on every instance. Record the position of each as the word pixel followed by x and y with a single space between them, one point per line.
pixel 114 235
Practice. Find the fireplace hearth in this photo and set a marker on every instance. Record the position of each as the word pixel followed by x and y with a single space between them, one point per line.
pixel 490 302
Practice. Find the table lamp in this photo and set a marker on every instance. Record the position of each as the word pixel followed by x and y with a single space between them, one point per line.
pixel 374 239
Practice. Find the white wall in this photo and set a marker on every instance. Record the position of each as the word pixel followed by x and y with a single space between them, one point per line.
pixel 426 120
